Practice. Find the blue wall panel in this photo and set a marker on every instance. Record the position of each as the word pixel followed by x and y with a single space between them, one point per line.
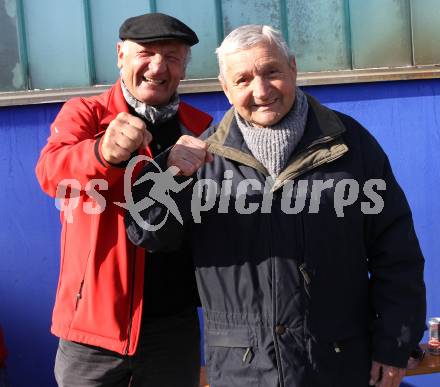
pixel 29 247
pixel 404 117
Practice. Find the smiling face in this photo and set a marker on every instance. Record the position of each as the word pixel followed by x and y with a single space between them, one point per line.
pixel 152 71
pixel 260 82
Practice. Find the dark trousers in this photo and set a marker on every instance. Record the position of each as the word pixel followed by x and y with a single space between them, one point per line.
pixel 168 355
pixel 3 378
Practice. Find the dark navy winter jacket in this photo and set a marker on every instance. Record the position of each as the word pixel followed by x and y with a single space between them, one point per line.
pixel 305 279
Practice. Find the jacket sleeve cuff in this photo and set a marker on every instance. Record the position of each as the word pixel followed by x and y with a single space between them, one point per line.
pixel 103 162
pixel 387 351
pixel 162 159
pixel 98 153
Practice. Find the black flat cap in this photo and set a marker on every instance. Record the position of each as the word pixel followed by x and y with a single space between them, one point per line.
pixel 156 26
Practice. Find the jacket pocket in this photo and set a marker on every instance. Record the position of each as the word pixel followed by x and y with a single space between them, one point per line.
pixel 230 357
pixel 342 363
pixel 354 361
pixel 79 293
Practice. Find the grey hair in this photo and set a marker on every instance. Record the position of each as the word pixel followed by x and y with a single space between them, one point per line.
pixel 188 56
pixel 244 37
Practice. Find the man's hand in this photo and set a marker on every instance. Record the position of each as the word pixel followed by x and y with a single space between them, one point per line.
pixel 124 135
pixel 189 154
pixel 382 375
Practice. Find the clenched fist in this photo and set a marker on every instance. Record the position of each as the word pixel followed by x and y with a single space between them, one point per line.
pixel 189 154
pixel 124 135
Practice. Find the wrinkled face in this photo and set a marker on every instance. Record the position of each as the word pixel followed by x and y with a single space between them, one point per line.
pixel 152 71
pixel 260 82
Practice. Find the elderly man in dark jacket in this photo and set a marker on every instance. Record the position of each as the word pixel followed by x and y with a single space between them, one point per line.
pixel 308 266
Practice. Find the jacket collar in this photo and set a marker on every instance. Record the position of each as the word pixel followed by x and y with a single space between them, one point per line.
pixel 193 119
pixel 115 103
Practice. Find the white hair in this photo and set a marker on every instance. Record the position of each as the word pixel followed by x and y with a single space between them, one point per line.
pixel 244 37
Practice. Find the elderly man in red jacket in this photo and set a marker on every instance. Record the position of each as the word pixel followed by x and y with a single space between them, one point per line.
pixel 123 318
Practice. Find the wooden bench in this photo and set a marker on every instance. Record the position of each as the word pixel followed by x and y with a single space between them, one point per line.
pixel 203 378
pixel 428 365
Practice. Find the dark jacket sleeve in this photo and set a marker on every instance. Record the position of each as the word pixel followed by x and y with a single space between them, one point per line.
pixel 141 225
pixel 155 228
pixel 396 263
